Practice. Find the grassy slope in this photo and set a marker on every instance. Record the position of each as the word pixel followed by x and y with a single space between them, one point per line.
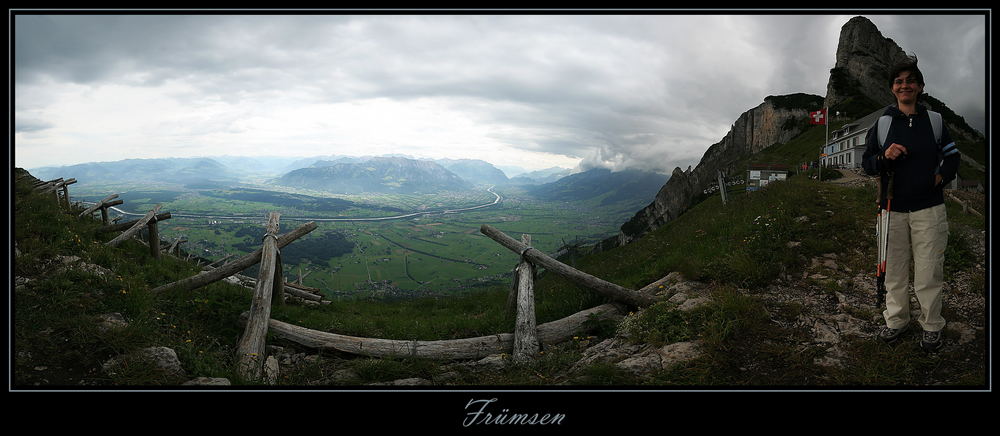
pixel 738 249
pixel 57 341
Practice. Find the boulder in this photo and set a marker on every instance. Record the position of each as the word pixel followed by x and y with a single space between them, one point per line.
pixel 655 359
pixel 162 357
pixel 111 321
pixel 415 381
pixel 271 370
pixel 608 350
pixel 207 381
pixel 693 303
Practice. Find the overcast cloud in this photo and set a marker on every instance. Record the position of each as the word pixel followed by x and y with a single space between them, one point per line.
pixel 620 91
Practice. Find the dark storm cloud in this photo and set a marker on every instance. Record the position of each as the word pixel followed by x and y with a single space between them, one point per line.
pixel 619 91
pixel 952 57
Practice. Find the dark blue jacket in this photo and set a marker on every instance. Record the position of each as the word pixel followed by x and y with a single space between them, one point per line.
pixel 913 187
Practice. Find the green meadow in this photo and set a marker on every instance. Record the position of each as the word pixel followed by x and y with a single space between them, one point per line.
pixel 440 253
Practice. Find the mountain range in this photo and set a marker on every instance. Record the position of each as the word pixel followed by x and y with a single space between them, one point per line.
pixel 376 175
pixel 191 171
pixel 613 187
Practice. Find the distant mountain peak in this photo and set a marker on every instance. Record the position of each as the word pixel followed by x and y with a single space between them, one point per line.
pixel 383 174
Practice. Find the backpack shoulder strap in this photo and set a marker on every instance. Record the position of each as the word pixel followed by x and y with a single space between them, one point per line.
pixel 884 122
pixel 936 123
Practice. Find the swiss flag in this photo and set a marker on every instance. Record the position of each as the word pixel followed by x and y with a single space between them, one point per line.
pixel 818 117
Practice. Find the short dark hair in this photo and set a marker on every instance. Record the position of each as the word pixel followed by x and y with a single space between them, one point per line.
pixel 908 63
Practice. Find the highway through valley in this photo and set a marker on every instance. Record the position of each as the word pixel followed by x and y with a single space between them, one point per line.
pixel 496 201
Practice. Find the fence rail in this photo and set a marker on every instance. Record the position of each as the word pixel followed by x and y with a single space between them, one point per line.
pixel 270 289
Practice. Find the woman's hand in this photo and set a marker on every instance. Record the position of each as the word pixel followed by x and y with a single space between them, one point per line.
pixel 894 151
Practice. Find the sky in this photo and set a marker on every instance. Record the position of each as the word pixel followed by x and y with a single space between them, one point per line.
pixel 639 91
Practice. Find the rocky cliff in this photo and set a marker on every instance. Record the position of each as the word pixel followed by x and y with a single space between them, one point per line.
pixel 776 120
pixel 857 86
pixel 864 57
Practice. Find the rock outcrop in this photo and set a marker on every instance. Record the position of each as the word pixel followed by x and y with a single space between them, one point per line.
pixel 776 120
pixel 864 57
pixel 859 83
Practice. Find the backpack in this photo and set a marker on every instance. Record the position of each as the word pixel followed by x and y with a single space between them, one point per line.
pixel 885 121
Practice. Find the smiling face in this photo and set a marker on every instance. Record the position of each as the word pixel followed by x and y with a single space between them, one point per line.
pixel 906 87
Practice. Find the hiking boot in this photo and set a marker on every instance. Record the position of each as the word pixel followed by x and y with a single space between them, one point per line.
pixel 888 334
pixel 931 341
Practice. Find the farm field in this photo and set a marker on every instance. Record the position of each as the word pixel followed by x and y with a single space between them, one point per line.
pixel 438 253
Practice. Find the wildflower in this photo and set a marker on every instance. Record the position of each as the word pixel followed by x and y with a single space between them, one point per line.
pixel 188 341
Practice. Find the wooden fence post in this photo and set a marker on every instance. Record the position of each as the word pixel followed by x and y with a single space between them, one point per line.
pixel 104 210
pixel 176 246
pixel 539 259
pixel 65 189
pixel 722 187
pixel 154 237
pixel 98 205
pixel 250 350
pixel 235 266
pixel 135 228
pixel 525 331
pixel 117 227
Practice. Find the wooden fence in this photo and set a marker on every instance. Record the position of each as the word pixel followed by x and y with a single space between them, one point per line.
pixel 269 288
pixel 965 205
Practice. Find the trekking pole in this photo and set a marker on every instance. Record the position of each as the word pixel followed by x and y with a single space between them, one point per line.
pixel 882 230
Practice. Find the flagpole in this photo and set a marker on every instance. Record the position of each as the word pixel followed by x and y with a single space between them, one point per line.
pixel 826 120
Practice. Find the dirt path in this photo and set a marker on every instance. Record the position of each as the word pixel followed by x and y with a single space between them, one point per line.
pixel 852 177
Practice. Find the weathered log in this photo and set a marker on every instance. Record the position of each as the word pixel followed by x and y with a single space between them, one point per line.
pixel 236 266
pixel 98 205
pixel 135 228
pixel 304 288
pixel 65 190
pixel 45 186
pixel 651 288
pixel 965 206
pixel 549 333
pixel 106 206
pixel 154 238
pixel 250 350
pixel 177 242
pixel 117 227
pixel 608 289
pixel 525 335
pixel 55 185
pixel 221 260
pixel 295 292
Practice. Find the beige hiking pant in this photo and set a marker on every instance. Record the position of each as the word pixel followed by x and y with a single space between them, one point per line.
pixel 916 239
